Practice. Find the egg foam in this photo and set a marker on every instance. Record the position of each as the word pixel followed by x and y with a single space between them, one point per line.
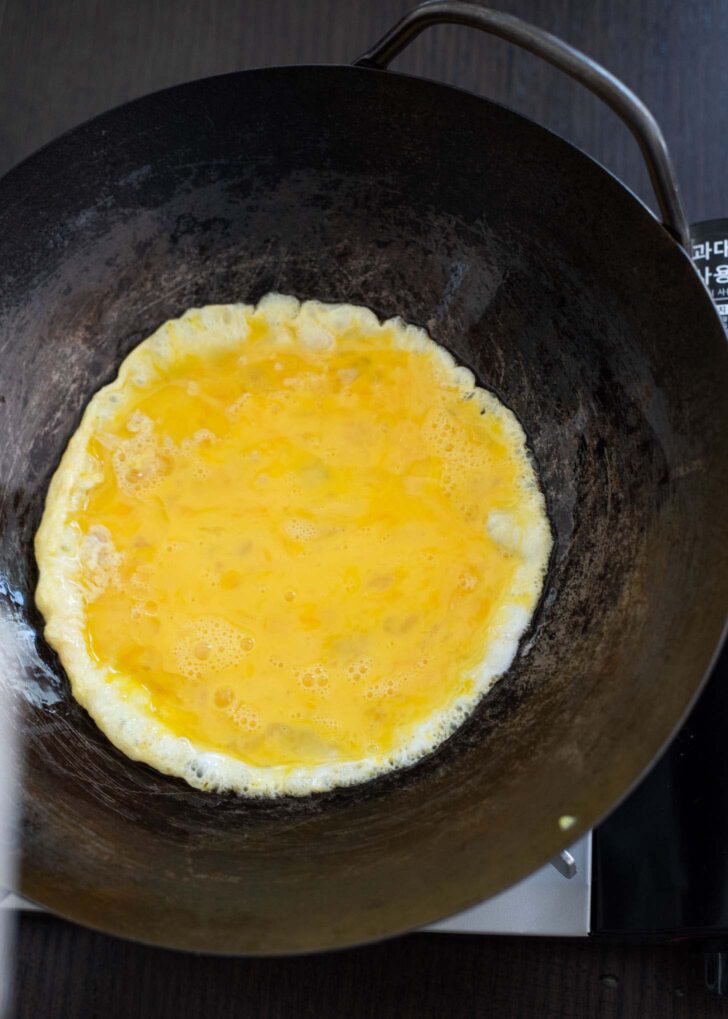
pixel 289 547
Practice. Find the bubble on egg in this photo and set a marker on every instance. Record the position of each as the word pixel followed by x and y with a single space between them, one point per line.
pixel 314 679
pixel 300 529
pixel 209 645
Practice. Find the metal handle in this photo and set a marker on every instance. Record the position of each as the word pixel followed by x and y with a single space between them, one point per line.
pixel 597 79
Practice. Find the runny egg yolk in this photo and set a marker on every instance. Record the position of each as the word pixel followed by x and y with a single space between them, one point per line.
pixel 296 551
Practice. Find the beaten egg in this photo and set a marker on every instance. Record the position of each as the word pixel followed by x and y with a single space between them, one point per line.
pixel 289 548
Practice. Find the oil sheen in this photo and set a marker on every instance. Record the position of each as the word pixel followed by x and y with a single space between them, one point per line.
pixel 289 548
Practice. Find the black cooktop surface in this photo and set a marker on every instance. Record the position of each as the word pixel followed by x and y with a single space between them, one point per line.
pixel 660 861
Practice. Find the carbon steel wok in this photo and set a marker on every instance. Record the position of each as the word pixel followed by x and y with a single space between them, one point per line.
pixel 539 270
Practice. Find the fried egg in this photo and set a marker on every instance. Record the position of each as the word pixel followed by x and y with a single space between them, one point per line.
pixel 289 547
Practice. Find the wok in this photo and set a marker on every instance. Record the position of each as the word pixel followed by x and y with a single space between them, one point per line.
pixel 536 268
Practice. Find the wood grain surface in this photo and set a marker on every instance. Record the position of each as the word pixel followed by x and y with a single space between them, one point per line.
pixel 65 972
pixel 62 61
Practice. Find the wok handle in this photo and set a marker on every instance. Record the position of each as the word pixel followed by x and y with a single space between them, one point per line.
pixel 596 78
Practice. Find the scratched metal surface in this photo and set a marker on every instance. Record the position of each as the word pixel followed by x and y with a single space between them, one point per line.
pixel 539 271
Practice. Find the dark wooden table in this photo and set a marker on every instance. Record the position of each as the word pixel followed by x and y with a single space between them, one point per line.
pixel 61 61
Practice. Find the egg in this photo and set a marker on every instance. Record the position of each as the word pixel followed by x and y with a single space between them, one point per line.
pixel 289 547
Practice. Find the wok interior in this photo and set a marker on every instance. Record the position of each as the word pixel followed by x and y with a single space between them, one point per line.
pixel 538 271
